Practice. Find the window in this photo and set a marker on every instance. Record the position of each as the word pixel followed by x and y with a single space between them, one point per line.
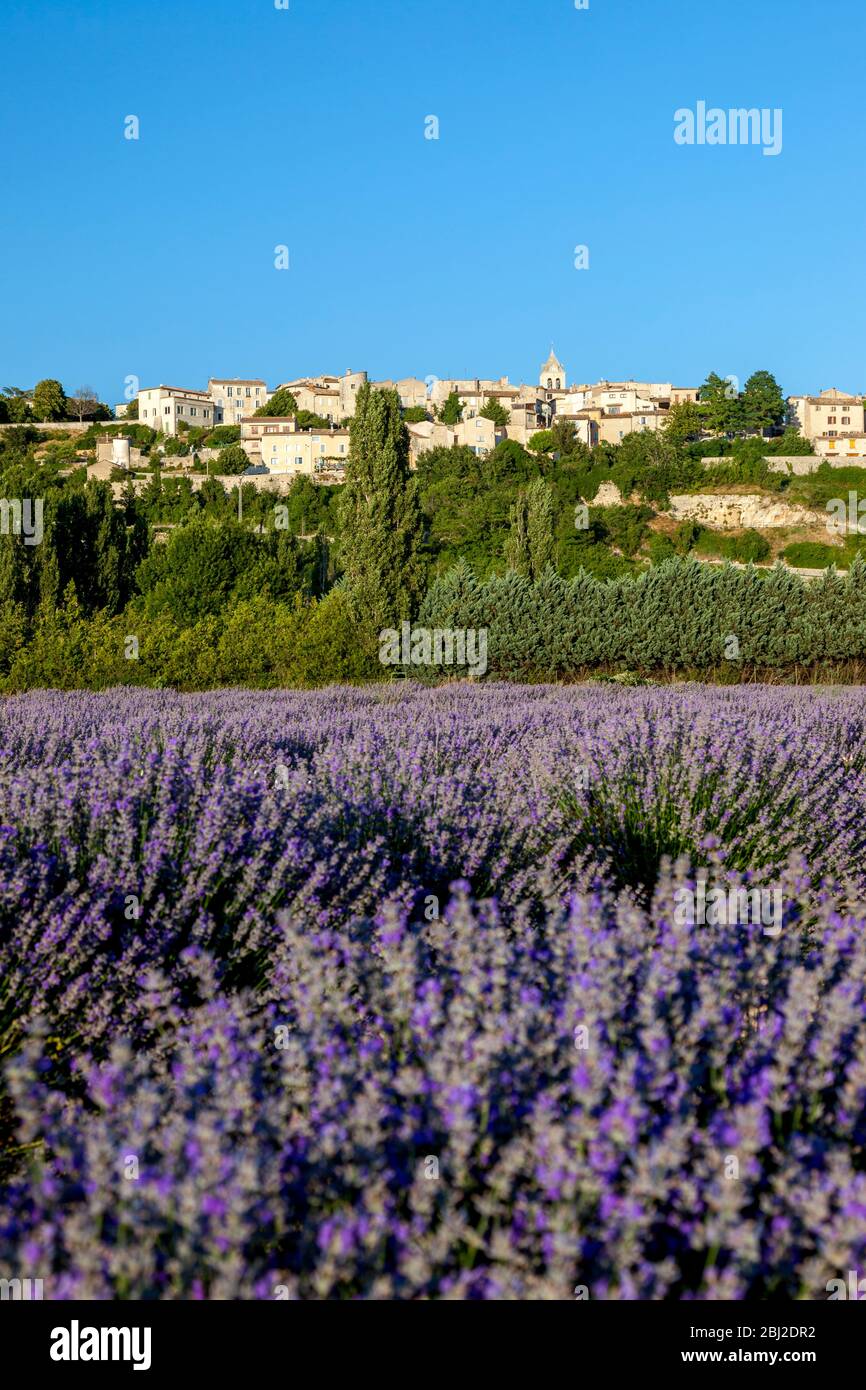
pixel 192 410
pixel 831 419
pixel 558 383
pixel 167 410
pixel 249 392
pixel 299 462
pixel 846 419
pixel 832 433
pixel 549 383
pixel 229 391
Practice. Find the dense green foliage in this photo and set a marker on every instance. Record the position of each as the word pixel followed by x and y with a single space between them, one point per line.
pixel 282 402
pixel 380 519
pixel 677 617
pixel 173 566
pixel 232 459
pixel 748 547
pixel 451 410
pixel 724 408
pixel 495 411
pixel 814 555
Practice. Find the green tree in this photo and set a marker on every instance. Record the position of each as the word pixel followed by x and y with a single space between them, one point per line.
pixel 541 442
pixel 222 434
pixel 49 400
pixel 18 410
pixel 380 517
pixel 233 459
pixel 282 402
pixel 495 411
pixel 516 547
pixel 414 414
pixel 326 650
pixel 451 410
pixel 530 545
pixel 197 570
pixel 309 420
pixel 541 526
pixel 763 404
pixel 685 421
pixel 565 441
pixel 718 397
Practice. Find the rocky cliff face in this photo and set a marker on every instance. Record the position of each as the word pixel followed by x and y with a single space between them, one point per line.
pixel 608 495
pixel 732 512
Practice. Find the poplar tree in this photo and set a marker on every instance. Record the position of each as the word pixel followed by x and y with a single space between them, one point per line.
pixel 541 525
pixel 517 541
pixel 381 523
pixel 529 548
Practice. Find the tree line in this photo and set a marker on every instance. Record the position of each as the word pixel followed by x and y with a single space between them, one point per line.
pixel 324 570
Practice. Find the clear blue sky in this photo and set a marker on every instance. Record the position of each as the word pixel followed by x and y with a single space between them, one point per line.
pixel 415 257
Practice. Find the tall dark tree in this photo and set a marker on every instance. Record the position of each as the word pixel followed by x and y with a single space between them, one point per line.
pixel 763 404
pixel 718 397
pixel 380 517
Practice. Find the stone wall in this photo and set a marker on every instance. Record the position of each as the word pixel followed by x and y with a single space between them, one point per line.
pixel 278 483
pixel 68 426
pixel 797 464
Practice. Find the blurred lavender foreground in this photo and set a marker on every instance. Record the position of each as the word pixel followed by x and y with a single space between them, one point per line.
pixel 387 993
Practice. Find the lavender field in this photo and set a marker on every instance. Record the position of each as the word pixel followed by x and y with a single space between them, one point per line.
pixel 387 993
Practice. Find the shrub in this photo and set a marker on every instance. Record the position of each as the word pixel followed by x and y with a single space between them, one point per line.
pixel 233 459
pixel 814 555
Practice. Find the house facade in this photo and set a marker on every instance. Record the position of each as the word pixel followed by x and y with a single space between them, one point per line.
pixel 235 397
pixel 164 407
